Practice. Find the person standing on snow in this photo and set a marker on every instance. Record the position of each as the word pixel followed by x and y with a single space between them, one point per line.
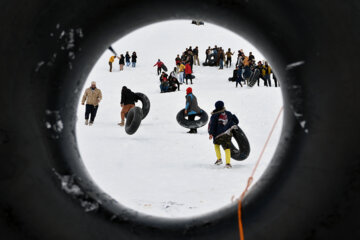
pixel 92 96
pixel 121 62
pixel 191 108
pixel 159 65
pixel 220 126
pixel 188 73
pixel 196 55
pixel 181 72
pixel 133 59
pixel 127 59
pixel 128 99
pixel 111 60
pixel 228 57
pixel 221 58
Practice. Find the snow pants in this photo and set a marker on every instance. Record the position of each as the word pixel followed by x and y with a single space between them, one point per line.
pixel 110 63
pixel 91 110
pixel 125 109
pixel 225 142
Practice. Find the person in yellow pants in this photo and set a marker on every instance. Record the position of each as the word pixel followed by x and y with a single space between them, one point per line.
pixel 220 126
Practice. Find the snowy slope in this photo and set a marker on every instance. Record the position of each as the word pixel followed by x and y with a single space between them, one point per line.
pixel 161 170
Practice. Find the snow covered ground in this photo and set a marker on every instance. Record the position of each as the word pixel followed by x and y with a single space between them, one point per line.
pixel 161 170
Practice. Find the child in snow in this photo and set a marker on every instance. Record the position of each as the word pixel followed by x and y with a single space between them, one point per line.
pixel 220 126
pixel 191 108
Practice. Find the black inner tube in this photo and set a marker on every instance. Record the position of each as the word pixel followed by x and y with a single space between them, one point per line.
pixel 181 118
pixel 241 152
pixel 311 189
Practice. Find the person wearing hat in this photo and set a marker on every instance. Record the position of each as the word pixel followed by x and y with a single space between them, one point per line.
pixel 221 124
pixel 191 108
pixel 92 96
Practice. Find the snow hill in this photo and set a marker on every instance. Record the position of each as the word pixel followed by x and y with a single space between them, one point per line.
pixel 161 170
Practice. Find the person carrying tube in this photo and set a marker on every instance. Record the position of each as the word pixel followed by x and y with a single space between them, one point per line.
pixel 128 99
pixel 191 107
pixel 221 124
pixel 159 65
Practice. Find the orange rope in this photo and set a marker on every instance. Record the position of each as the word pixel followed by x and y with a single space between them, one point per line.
pixel 241 229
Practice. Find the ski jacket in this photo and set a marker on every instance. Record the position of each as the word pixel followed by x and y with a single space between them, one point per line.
pixel 112 58
pixel 163 78
pixel 195 52
pixel 192 106
pixel 128 97
pixel 122 60
pixel 133 58
pixel 182 68
pixel 159 64
pixel 188 69
pixel 229 54
pixel 127 57
pixel 92 97
pixel 177 60
pixel 266 70
pixel 246 61
pixel 220 122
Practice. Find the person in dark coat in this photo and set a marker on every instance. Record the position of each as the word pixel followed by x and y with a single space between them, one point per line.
pixel 127 59
pixel 128 99
pixel 121 62
pixel 133 59
pixel 191 108
pixel 221 124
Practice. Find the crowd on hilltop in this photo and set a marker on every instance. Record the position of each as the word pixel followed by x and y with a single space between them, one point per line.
pixel 245 66
pixel 123 60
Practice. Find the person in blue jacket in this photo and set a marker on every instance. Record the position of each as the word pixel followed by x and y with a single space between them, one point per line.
pixel 221 124
pixel 191 108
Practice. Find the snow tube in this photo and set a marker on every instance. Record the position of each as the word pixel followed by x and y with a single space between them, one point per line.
pixel 145 104
pixel 243 150
pixel 181 119
pixel 311 189
pixel 164 68
pixel 212 60
pixel 254 77
pixel 133 120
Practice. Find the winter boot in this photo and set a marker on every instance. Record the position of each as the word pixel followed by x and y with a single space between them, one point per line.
pixel 122 123
pixel 192 131
pixel 228 165
pixel 86 122
pixel 91 123
pixel 218 162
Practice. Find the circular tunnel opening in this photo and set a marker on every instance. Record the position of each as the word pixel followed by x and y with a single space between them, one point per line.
pixel 162 170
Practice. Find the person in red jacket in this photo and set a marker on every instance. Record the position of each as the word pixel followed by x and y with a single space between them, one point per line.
pixel 188 72
pixel 159 64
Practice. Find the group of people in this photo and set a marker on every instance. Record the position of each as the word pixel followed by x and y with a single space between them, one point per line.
pixel 246 67
pixel 93 95
pixel 219 129
pixel 181 74
pixel 123 60
pixel 217 57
